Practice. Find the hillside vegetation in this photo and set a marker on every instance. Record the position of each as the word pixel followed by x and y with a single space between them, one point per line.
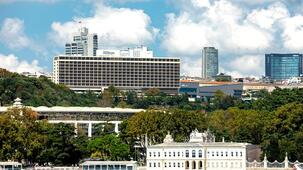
pixel 40 92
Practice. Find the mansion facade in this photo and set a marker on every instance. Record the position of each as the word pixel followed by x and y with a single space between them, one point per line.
pixel 200 153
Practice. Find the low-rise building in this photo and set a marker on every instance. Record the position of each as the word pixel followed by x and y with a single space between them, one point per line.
pixel 197 89
pixel 201 152
pixel 108 165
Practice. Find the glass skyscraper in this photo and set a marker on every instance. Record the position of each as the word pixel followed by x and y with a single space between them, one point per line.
pixel 283 66
pixel 209 62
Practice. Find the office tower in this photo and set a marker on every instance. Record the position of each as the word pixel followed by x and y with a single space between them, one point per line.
pixel 83 44
pixel 209 62
pixel 283 66
pixel 131 69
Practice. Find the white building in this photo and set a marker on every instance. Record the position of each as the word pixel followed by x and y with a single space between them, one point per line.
pixel 201 152
pixel 141 51
pixel 83 44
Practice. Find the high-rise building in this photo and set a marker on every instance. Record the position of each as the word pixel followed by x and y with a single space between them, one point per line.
pixel 83 44
pixel 209 62
pixel 131 69
pixel 283 66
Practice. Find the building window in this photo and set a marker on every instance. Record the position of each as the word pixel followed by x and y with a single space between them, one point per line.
pixel 187 153
pixel 222 154
pixel 212 153
pixel 178 154
pixel 174 164
pixel 164 154
pixel 150 164
pixel 194 164
pixel 169 164
pixel 226 153
pixel 174 154
pixel 200 164
pixel 169 154
pixel 240 153
pixel 236 153
pixel 150 154
pixel 217 153
pixel 159 165
pixel 200 153
pixel 186 165
pixel 155 164
pixel 232 154
pixel 154 154
pixel 158 154
pixel 178 164
pixel 193 153
pixel 165 165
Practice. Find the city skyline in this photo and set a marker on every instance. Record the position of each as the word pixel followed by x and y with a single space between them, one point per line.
pixel 32 32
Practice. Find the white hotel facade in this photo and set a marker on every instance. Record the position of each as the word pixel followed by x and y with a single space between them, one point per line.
pixel 200 153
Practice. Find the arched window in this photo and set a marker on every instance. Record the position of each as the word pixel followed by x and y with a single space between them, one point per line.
pixel 193 153
pixel 187 153
pixel 186 165
pixel 200 164
pixel 194 164
pixel 200 153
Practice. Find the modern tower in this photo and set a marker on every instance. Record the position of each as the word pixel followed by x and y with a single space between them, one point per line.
pixel 209 62
pixel 83 44
pixel 283 66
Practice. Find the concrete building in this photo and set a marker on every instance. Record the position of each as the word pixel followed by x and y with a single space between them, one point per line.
pixel 201 152
pixel 283 66
pixel 84 118
pixel 208 89
pixel 134 71
pixel 210 62
pixel 83 44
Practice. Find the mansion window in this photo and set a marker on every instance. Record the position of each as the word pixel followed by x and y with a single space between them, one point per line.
pixel 187 153
pixel 200 153
pixel 193 153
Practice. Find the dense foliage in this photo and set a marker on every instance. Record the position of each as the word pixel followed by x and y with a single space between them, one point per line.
pixel 22 137
pixel 40 92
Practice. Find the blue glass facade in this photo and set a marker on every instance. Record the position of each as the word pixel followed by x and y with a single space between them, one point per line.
pixel 283 66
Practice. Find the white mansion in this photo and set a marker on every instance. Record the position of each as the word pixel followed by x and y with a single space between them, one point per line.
pixel 201 152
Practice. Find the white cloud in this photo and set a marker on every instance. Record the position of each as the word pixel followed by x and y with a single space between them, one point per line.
pixel 265 18
pixel 247 65
pixel 14 64
pixel 12 33
pixel 293 33
pixel 114 26
pixel 240 31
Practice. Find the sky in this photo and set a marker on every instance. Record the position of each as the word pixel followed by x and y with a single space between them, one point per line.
pixel 32 32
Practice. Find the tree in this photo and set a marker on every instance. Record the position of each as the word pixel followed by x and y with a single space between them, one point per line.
pixel 20 135
pixel 109 147
pixel 284 133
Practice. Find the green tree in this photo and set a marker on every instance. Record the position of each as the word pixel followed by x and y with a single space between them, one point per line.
pixel 109 147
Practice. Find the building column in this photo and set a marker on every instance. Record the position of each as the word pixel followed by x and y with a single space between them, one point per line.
pixel 89 129
pixel 286 161
pixel 76 128
pixel 116 127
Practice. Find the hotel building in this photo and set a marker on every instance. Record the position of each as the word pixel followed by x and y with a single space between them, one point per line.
pixel 132 69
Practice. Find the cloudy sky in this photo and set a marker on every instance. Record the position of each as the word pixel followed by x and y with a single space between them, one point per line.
pixel 33 31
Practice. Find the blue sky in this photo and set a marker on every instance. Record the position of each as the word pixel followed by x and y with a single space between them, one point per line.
pixel 33 31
